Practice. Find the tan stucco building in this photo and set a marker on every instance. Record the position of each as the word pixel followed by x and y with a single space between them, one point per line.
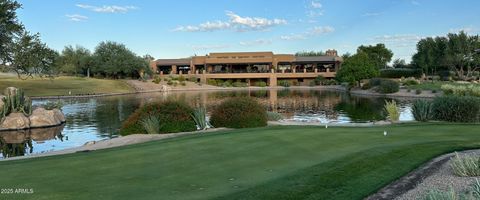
pixel 252 66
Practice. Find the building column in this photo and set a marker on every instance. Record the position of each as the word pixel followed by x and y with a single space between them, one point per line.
pixel 272 80
pixel 174 69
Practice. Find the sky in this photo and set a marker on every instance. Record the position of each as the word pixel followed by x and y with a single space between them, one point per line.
pixel 183 28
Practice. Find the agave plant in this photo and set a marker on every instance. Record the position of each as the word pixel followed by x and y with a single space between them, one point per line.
pixel 151 124
pixel 422 110
pixel 392 110
pixel 200 118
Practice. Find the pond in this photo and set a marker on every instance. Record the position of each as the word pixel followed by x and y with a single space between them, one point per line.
pixel 93 119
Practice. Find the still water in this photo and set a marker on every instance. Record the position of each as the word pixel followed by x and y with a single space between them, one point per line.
pixel 93 119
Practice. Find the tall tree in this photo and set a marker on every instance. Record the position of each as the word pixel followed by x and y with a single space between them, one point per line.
pixel 10 28
pixel 32 57
pixel 378 54
pixel 357 67
pixel 310 53
pixel 74 60
pixel 115 60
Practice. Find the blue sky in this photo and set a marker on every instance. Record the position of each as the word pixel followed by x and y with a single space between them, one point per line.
pixel 182 28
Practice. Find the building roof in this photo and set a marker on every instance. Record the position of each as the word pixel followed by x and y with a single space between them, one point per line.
pixel 317 58
pixel 180 61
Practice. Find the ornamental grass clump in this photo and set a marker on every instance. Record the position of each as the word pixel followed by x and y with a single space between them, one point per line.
pixel 239 112
pixel 392 110
pixel 199 115
pixel 462 90
pixel 151 124
pixel 274 116
pixel 422 110
pixel 456 109
pixel 467 165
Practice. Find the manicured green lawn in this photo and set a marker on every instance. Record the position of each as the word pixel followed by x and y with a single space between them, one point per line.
pixel 266 163
pixel 62 85
pixel 428 85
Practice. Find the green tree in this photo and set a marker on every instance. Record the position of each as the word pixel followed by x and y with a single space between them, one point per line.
pixel 31 57
pixel 10 28
pixel 357 67
pixel 399 63
pixel 378 54
pixel 114 60
pixel 74 60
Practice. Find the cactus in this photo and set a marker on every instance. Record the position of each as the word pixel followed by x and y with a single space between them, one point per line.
pixel 15 102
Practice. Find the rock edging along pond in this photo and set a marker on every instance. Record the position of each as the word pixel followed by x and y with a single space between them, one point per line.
pixel 16 112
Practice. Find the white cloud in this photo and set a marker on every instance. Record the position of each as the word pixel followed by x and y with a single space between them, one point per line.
pixel 107 9
pixel 76 17
pixel 320 30
pixel 256 42
pixel 315 4
pixel 399 40
pixel 466 29
pixel 373 14
pixel 293 37
pixel 209 46
pixel 235 22
pixel 315 31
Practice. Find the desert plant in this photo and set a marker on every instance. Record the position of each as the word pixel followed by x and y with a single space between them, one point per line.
pixel 239 84
pixel 422 110
pixel 239 112
pixel 212 82
pixel 462 90
pixel 182 78
pixel 156 79
pixel 151 124
pixel 467 165
pixel 175 116
pixel 436 194
pixel 193 79
pixel 392 110
pixel 183 83
pixel 15 101
pixel 456 109
pixel 284 83
pixel 418 91
pixel 274 116
pixel 199 115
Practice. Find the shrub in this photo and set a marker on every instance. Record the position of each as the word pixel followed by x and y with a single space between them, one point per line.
pixel 239 112
pixel 467 165
pixel 156 79
pixel 193 79
pixel 182 78
pixel 183 83
pixel 284 83
pixel 212 82
pixel 50 105
pixel 151 124
pixel 388 86
pixel 456 108
pixel 169 82
pixel 199 115
pixel 239 84
pixel 175 117
pixel 400 72
pixel 422 110
pixel 319 80
pixel 392 110
pixel 274 116
pixel 260 84
pixel 461 90
pixel 434 91
pixel 409 82
pixel 418 91
pixel 375 82
pixel 436 194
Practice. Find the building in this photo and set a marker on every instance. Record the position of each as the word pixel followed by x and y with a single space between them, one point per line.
pixel 251 67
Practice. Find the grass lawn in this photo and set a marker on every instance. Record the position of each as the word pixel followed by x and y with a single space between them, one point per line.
pixel 428 85
pixel 265 163
pixel 62 85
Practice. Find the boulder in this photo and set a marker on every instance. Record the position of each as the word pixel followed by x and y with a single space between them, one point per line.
pixel 58 114
pixel 14 137
pixel 43 118
pixel 15 121
pixel 10 91
pixel 44 134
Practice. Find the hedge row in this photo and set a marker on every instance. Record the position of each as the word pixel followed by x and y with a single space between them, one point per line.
pixel 400 72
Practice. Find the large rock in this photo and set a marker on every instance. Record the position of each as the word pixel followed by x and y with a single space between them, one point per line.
pixel 58 114
pixel 15 121
pixel 43 118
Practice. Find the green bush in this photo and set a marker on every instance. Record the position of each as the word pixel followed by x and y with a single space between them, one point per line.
pixel 319 80
pixel 212 82
pixel 173 116
pixel 182 78
pixel 151 124
pixel 183 83
pixel 169 82
pixel 422 110
pixel 284 83
pixel 239 112
pixel 400 72
pixel 50 105
pixel 409 82
pixel 375 82
pixel 239 84
pixel 418 91
pixel 156 79
pixel 456 108
pixel 193 79
pixel 467 165
pixel 388 86
pixel 260 84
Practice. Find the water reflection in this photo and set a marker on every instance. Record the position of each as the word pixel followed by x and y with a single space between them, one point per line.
pixel 100 118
